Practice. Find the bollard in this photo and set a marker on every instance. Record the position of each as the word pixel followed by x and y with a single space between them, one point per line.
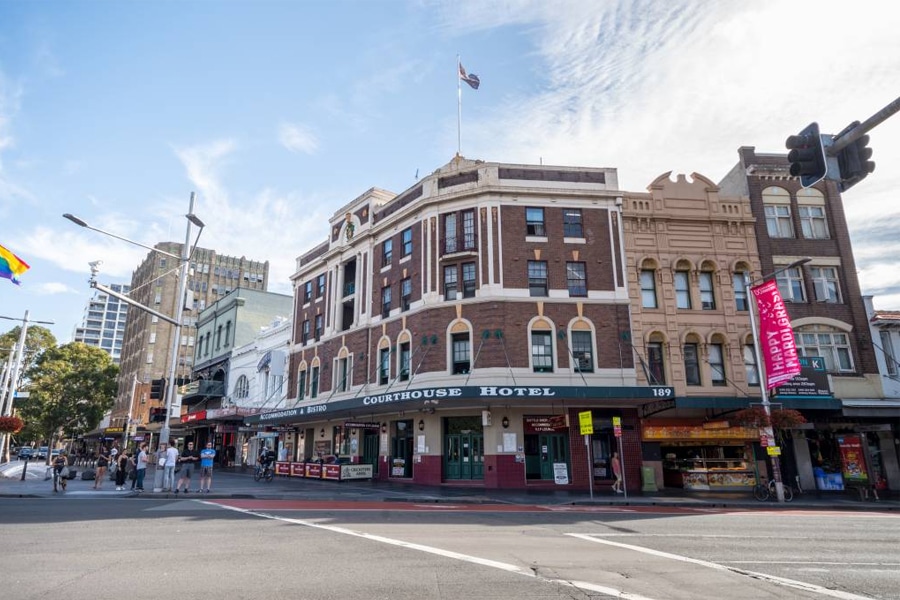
pixel 25 468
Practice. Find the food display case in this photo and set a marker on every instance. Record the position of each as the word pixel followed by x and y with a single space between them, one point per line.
pixel 713 474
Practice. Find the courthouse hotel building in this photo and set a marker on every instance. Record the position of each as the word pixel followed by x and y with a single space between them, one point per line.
pixel 453 334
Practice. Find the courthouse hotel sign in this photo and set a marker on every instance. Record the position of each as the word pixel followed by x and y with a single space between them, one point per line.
pixel 483 393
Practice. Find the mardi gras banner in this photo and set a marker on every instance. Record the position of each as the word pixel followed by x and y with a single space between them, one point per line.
pixel 776 338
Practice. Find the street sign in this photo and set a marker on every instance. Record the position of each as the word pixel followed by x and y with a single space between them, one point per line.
pixel 773 450
pixel 617 426
pixel 586 421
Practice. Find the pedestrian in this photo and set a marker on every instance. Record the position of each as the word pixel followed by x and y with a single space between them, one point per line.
pixel 207 456
pixel 102 465
pixel 617 472
pixel 60 471
pixel 171 459
pixel 121 470
pixel 188 458
pixel 141 467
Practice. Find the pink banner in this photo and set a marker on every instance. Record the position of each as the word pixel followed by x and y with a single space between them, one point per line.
pixel 776 338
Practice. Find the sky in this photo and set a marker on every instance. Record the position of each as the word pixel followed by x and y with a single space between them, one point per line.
pixel 277 113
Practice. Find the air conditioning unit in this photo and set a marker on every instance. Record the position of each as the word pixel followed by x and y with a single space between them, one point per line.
pixel 227 402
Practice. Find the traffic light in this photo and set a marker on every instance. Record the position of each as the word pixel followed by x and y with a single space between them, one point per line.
pixel 807 156
pixel 157 415
pixel 158 389
pixel 854 161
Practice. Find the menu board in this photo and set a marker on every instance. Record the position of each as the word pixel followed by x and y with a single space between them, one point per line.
pixel 853 463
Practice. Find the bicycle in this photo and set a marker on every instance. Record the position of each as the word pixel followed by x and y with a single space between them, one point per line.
pixel 58 480
pixel 266 473
pixel 764 491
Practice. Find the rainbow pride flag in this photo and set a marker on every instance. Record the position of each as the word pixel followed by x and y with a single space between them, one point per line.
pixel 11 266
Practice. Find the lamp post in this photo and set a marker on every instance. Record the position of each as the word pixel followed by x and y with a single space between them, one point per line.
pixel 176 319
pixel 12 382
pixel 763 390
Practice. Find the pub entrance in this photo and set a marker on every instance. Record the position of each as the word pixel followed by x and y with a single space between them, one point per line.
pixel 546 445
pixel 463 448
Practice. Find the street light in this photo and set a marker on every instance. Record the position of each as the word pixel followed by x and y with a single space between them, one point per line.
pixel 763 390
pixel 176 320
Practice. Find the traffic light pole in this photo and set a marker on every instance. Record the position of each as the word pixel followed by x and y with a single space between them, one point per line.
pixel 165 432
pixel 845 138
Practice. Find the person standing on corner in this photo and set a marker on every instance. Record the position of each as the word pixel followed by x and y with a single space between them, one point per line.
pixel 207 457
pixel 121 470
pixel 141 467
pixel 188 459
pixel 617 472
pixel 169 473
pixel 102 464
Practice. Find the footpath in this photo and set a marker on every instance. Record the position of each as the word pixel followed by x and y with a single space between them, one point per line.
pixel 239 483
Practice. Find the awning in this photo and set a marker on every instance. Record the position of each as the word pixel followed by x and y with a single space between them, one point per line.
pixel 464 396
pixel 732 402
pixel 872 407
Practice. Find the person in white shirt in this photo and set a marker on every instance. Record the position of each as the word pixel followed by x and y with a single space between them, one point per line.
pixel 169 473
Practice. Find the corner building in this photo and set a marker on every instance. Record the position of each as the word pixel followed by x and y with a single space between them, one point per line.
pixel 453 334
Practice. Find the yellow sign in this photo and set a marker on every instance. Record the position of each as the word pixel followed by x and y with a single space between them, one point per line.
pixel 773 450
pixel 587 423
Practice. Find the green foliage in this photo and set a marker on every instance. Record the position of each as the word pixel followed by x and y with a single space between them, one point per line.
pixel 37 340
pixel 71 388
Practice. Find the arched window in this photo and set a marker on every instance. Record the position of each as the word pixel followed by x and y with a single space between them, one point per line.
pixel 811 210
pixel 777 206
pixel 542 346
pixel 832 344
pixel 460 348
pixel 242 387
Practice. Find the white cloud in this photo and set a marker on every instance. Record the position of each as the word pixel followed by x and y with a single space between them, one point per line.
pixel 203 163
pixel 53 288
pixel 297 138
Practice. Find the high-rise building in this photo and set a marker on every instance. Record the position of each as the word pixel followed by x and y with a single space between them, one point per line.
pixel 104 320
pixel 147 346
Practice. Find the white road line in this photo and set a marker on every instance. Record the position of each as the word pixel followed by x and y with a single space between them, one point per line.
pixel 515 569
pixel 791 583
pixel 810 562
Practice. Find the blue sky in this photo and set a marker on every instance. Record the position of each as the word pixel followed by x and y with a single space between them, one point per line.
pixel 276 113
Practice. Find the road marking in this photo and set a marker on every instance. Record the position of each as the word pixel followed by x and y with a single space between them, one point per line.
pixel 485 562
pixel 791 583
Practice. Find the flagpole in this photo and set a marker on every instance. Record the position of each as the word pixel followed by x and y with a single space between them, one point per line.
pixel 458 106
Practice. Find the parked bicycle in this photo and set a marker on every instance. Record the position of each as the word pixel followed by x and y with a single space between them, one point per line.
pixel 266 473
pixel 766 490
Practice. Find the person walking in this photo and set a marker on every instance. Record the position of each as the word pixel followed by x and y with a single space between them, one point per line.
pixel 189 458
pixel 207 457
pixel 617 472
pixel 141 467
pixel 121 470
pixel 102 465
pixel 171 461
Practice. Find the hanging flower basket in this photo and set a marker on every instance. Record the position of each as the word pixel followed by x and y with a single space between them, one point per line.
pixel 781 419
pixel 787 418
pixel 11 424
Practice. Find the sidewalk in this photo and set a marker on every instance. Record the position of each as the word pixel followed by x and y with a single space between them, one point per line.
pixel 239 483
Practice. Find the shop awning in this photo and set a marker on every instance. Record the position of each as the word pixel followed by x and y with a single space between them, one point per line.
pixel 736 403
pixel 463 396
pixel 872 407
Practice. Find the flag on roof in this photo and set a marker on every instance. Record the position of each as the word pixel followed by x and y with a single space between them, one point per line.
pixel 11 266
pixel 470 78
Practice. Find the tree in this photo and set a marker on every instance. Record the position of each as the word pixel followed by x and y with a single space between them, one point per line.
pixel 37 340
pixel 71 388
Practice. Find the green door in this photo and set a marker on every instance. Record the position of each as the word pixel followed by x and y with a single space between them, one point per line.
pixel 554 448
pixel 463 448
pixel 370 449
pixel 452 458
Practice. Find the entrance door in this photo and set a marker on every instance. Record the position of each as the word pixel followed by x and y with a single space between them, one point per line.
pixel 463 449
pixel 370 449
pixel 553 448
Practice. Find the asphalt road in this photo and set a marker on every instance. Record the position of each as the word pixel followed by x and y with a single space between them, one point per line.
pixel 256 548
